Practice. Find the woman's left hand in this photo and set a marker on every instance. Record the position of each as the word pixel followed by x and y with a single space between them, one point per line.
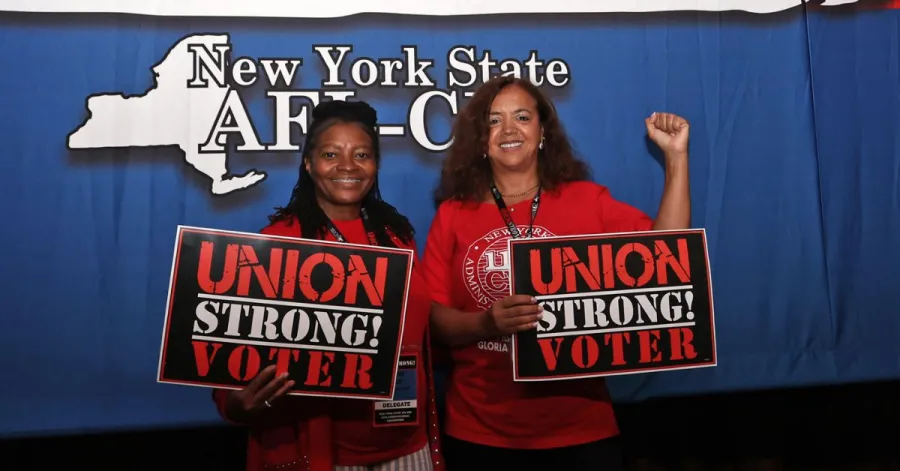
pixel 669 132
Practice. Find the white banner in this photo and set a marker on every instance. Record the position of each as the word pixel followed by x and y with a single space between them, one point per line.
pixel 331 9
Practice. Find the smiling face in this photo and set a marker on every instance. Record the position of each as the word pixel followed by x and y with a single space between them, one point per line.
pixel 515 129
pixel 343 167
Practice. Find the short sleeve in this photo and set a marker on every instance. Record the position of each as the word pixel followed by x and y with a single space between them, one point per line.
pixel 617 216
pixel 438 257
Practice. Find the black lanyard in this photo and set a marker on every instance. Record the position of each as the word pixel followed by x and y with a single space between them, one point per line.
pixel 365 220
pixel 513 230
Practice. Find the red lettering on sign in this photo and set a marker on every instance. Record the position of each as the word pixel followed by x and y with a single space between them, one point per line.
pixel 682 342
pixel 616 342
pixel 604 268
pixel 319 373
pixel 550 353
pixel 284 271
pixel 585 352
pixel 649 346
pixel 357 371
pixel 617 348
pixel 237 364
pixel 283 357
pixel 203 357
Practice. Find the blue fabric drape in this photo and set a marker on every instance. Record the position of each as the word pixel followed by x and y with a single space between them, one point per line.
pixel 795 166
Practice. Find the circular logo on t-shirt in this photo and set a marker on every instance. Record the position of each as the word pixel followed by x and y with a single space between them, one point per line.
pixel 486 265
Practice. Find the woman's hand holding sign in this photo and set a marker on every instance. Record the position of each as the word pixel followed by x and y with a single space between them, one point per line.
pixel 244 405
pixel 516 313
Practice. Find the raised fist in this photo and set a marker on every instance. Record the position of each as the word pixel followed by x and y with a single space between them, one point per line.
pixel 669 132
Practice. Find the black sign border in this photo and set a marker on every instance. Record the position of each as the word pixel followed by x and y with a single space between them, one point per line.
pixel 613 235
pixel 182 229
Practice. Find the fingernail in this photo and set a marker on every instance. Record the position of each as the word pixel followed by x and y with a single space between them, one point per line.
pixel 533 299
pixel 540 308
pixel 540 316
pixel 284 375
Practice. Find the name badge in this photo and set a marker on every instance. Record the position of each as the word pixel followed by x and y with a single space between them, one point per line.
pixel 403 409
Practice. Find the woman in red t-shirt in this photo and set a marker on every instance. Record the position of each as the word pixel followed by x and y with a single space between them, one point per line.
pixel 337 199
pixel 511 173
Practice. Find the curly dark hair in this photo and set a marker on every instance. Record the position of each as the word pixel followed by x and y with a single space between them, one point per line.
pixel 303 204
pixel 466 174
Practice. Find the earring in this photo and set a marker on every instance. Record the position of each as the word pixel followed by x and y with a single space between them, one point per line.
pixel 484 156
pixel 541 145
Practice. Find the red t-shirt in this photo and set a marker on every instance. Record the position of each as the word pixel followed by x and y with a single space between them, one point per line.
pixel 466 266
pixel 356 441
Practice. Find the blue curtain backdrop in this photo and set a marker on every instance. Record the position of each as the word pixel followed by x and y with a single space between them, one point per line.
pixel 795 166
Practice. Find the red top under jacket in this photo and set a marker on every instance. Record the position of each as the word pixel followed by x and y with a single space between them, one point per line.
pixel 316 434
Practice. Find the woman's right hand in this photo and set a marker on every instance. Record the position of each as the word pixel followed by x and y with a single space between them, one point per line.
pixel 245 405
pixel 516 313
